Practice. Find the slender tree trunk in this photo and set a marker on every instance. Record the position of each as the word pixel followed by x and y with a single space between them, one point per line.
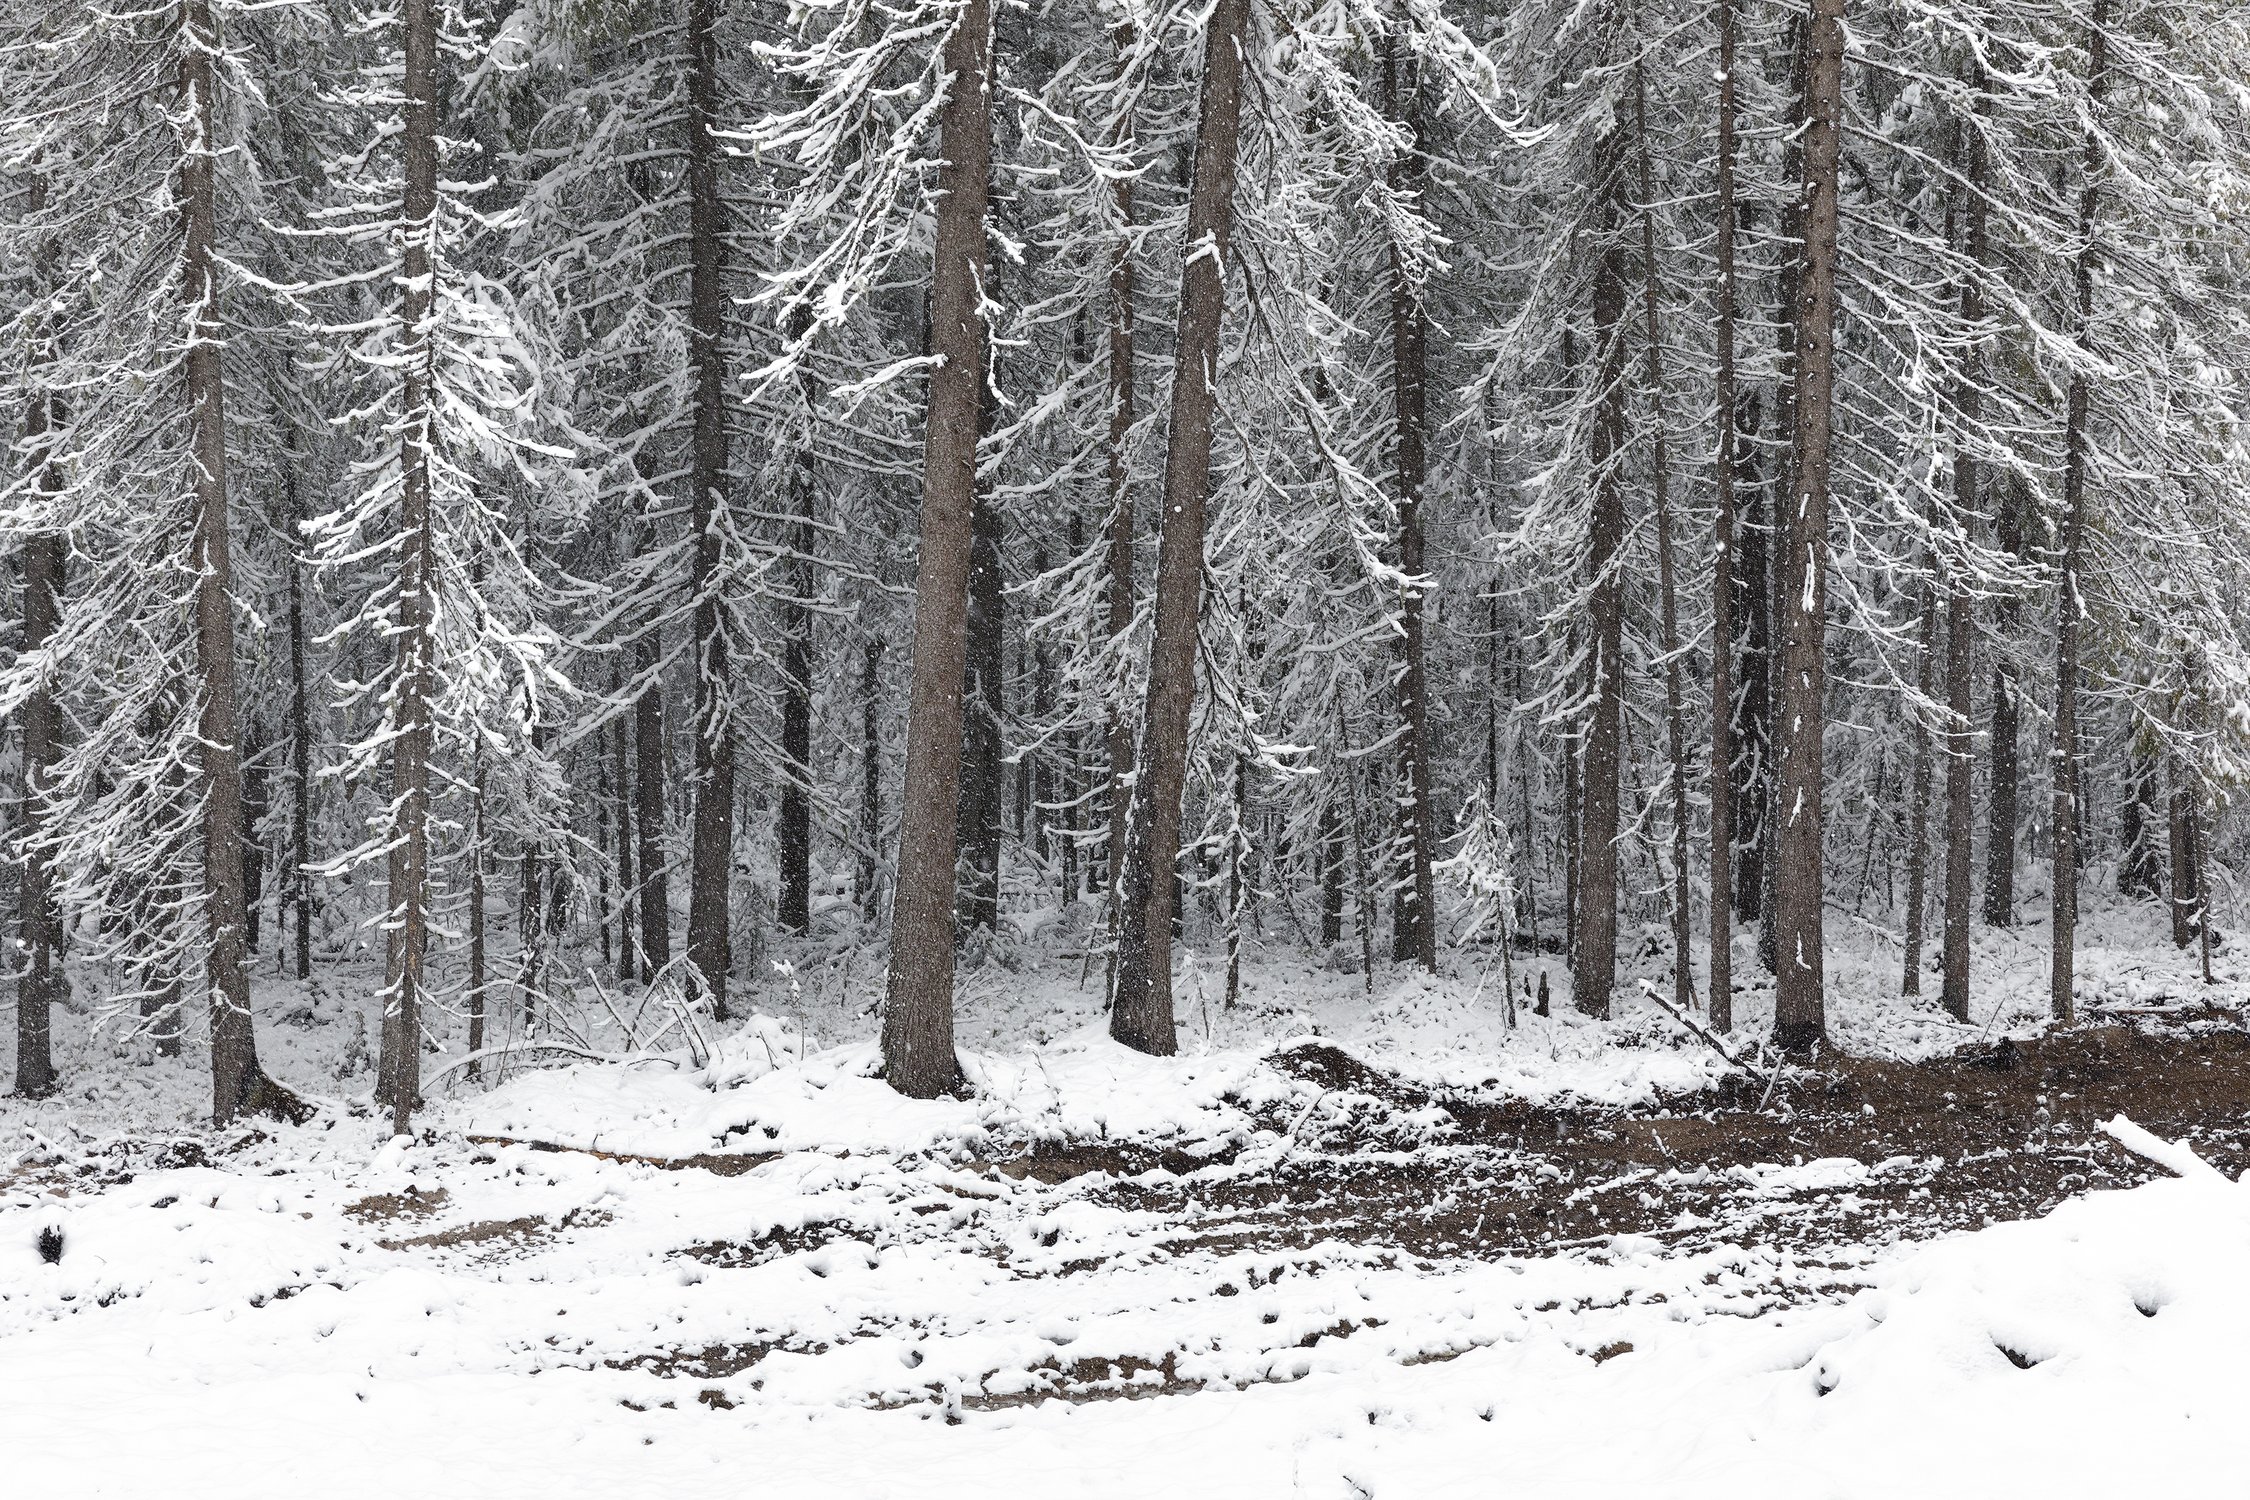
pixel 39 983
pixel 1918 849
pixel 2070 609
pixel 400 1080
pixel 2187 887
pixel 2140 872
pixel 1141 1017
pixel 1723 552
pixel 237 1084
pixel 1800 1003
pixel 1329 854
pixel 2006 773
pixel 711 841
pixel 1413 913
pixel 918 1009
pixel 1595 975
pixel 1121 520
pixel 982 775
pixel 300 740
pixel 630 963
pixel 477 963
pixel 1675 717
pixel 1752 716
pixel 649 817
pixel 256 801
pixel 1960 644
pixel 870 775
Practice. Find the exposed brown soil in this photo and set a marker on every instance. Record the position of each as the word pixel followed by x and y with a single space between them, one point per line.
pixel 383 1208
pixel 504 1233
pixel 2007 1131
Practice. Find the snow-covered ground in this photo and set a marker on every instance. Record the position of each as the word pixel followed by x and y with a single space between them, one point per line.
pixel 871 1296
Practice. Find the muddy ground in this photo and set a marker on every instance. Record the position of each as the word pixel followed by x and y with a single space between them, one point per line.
pixel 2005 1131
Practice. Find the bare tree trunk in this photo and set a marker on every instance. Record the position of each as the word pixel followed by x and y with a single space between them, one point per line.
pixel 2070 609
pixel 256 801
pixel 1722 569
pixel 1413 913
pixel 649 818
pixel 1329 853
pixel 711 843
pixel 1800 1002
pixel 2187 885
pixel 629 960
pixel 1960 643
pixel 238 1086
pixel 982 775
pixel 870 775
pixel 2006 774
pixel 2140 872
pixel 1675 719
pixel 1121 521
pixel 477 965
pixel 1141 1017
pixel 1918 851
pixel 1595 974
pixel 300 741
pixel 39 983
pixel 400 1074
pixel 918 1009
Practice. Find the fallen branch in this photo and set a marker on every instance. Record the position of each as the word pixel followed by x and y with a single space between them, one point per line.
pixel 2176 1157
pixel 718 1163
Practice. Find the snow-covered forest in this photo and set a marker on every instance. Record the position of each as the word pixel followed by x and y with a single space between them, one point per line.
pixel 809 716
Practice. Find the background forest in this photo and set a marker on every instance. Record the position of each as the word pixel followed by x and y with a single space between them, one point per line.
pixel 578 508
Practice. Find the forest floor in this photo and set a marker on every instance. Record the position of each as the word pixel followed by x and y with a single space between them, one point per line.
pixel 1358 1239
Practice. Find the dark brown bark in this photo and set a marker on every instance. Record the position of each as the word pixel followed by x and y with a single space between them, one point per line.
pixel 1141 1016
pixel 1414 910
pixel 1722 569
pixel 711 833
pixel 2187 889
pixel 1594 974
pixel 2070 608
pixel 1121 520
pixel 1918 827
pixel 2005 776
pixel 918 1054
pixel 1800 1000
pixel 401 1067
pixel 1675 717
pixel 237 1084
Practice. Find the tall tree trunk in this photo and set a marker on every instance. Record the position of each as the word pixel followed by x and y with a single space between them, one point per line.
pixel 400 1074
pixel 1723 552
pixel 1675 718
pixel 629 961
pixel 918 1008
pixel 649 760
pixel 477 964
pixel 1413 913
pixel 1918 849
pixel 711 841
pixel 1328 856
pixel 2187 883
pixel 1121 520
pixel 1800 1001
pixel 2140 870
pixel 870 776
pixel 1141 1016
pixel 2006 773
pixel 1752 716
pixel 982 773
pixel 1960 643
pixel 793 830
pixel 300 740
pixel 237 1084
pixel 256 801
pixel 1595 975
pixel 39 984
pixel 2070 610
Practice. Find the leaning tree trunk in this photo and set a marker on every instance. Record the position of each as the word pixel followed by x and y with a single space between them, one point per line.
pixel 918 1007
pixel 1595 973
pixel 1141 1016
pixel 1414 912
pixel 1722 568
pixel 1800 1001
pixel 409 898
pixel 1675 722
pixel 711 835
pixel 238 1086
pixel 2070 610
